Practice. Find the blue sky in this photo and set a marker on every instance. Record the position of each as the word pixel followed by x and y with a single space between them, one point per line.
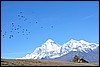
pixel 59 20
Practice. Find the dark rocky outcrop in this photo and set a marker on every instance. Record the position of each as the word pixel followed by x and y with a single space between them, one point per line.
pixel 79 60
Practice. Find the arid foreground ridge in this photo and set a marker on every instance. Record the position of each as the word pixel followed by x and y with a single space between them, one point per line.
pixel 31 62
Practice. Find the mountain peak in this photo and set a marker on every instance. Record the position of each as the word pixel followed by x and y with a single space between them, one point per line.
pixel 49 40
pixel 75 41
pixel 50 45
pixel 84 42
pixel 72 40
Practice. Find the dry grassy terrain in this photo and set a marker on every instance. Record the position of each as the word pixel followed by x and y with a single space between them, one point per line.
pixel 30 62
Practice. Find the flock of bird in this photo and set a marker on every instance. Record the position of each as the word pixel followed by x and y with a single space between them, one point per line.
pixel 19 29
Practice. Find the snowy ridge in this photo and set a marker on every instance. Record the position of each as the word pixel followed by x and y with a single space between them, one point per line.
pixel 81 45
pixel 51 49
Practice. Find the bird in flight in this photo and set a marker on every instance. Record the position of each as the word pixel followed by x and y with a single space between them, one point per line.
pixel 20 12
pixel 51 26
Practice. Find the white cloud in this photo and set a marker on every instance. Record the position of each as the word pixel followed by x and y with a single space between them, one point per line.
pixel 87 17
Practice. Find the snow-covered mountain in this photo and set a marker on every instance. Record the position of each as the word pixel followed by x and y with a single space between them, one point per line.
pixel 81 46
pixel 52 50
pixel 49 49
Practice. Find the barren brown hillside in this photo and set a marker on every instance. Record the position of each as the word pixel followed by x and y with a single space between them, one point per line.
pixel 30 62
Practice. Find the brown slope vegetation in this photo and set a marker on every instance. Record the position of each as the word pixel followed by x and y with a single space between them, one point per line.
pixel 31 62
